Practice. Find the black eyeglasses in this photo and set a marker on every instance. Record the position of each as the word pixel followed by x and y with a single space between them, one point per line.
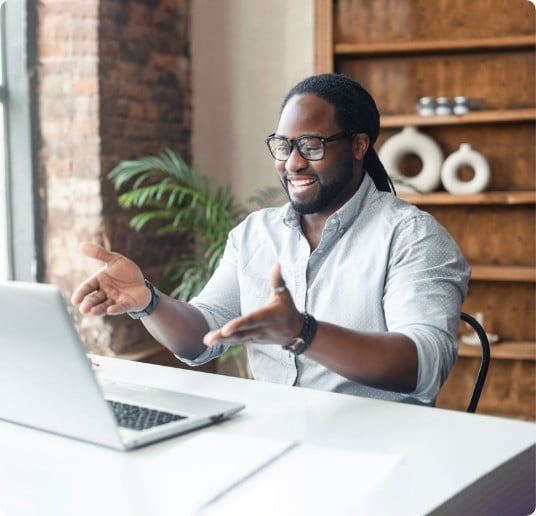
pixel 311 148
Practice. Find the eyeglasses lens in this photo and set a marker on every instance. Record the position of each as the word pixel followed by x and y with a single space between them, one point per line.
pixel 310 148
pixel 279 148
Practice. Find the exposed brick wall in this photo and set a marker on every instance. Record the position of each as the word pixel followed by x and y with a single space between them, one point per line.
pixel 113 84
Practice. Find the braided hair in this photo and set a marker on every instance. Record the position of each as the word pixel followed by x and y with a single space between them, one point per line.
pixel 355 112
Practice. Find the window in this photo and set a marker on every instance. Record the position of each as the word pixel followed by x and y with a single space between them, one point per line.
pixel 17 178
pixel 4 254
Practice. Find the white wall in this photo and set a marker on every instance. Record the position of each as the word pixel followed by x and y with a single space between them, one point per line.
pixel 246 55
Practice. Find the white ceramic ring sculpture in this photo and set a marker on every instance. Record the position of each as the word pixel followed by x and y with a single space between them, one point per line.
pixel 465 155
pixel 411 141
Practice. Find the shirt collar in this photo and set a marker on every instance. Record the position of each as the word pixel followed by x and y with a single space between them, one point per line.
pixel 345 215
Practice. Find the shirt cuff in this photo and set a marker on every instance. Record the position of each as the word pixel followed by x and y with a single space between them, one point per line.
pixel 207 355
pixel 436 355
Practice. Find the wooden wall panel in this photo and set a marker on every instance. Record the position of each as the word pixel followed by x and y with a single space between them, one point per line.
pixel 396 83
pixel 509 390
pixel 509 149
pixel 396 20
pixel 509 308
pixel 324 36
pixel 491 235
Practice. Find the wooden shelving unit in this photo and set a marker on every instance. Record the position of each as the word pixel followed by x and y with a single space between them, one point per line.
pixel 475 117
pixel 501 350
pixel 485 198
pixel 422 49
pixel 434 47
pixel 503 273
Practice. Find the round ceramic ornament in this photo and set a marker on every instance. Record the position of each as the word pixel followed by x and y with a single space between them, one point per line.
pixel 465 155
pixel 411 141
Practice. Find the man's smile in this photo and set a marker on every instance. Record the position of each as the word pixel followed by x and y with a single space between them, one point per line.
pixel 299 183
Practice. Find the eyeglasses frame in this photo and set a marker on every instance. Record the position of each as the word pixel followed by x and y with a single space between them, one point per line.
pixel 293 142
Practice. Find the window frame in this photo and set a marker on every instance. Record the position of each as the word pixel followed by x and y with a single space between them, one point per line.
pixel 5 262
pixel 19 58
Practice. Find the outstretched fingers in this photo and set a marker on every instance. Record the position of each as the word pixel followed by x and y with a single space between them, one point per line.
pixel 84 290
pixel 265 324
pixel 95 302
pixel 97 252
pixel 247 324
pixel 276 280
pixel 87 294
pixel 102 308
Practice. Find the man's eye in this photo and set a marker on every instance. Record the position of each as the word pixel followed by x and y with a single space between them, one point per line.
pixel 311 145
pixel 278 145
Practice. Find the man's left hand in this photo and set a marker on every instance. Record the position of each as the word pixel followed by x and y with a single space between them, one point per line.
pixel 277 322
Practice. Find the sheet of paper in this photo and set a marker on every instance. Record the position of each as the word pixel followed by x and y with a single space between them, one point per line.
pixel 171 478
pixel 253 475
pixel 204 467
pixel 308 480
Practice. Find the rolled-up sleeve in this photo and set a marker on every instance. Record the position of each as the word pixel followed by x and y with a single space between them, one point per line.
pixel 425 288
pixel 219 301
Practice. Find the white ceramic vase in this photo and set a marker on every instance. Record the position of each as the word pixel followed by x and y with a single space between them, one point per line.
pixel 411 141
pixel 465 155
pixel 472 339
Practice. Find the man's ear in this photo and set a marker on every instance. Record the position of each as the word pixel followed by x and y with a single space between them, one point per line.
pixel 360 144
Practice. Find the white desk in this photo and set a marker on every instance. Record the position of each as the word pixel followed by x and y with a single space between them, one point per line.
pixel 451 462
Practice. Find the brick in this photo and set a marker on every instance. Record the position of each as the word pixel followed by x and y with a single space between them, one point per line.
pixel 152 110
pixel 139 13
pixel 166 62
pixel 85 107
pixel 86 86
pixel 136 110
pixel 135 52
pixel 59 167
pixel 85 128
pixel 51 49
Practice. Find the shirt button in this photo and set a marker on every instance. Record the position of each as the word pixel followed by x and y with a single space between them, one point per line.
pixel 334 221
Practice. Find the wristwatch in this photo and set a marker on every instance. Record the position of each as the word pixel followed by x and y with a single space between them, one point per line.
pixel 300 343
pixel 150 308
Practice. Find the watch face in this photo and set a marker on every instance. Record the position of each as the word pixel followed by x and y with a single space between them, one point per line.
pixel 296 343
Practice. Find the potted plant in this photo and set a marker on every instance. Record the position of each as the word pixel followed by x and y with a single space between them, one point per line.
pixel 178 199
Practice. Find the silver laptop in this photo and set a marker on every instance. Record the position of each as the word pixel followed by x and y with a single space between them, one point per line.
pixel 47 381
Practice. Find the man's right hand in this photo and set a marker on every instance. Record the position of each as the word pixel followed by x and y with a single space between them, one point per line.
pixel 117 288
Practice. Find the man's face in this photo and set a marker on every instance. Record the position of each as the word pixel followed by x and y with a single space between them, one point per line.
pixel 316 186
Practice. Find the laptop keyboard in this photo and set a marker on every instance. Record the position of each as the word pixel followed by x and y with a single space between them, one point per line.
pixel 140 418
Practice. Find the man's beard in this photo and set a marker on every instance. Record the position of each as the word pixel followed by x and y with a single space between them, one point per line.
pixel 327 195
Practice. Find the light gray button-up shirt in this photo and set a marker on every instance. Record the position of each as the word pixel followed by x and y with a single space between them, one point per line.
pixel 381 265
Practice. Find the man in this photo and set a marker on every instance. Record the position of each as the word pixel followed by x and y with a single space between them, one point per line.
pixel 346 288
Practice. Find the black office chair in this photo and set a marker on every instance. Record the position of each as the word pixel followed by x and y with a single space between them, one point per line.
pixel 484 363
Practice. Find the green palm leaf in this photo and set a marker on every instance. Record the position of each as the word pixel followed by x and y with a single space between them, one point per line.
pixel 177 199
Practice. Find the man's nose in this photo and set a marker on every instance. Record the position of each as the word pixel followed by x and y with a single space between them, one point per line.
pixel 295 161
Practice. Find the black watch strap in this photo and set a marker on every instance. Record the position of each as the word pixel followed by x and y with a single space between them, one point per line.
pixel 300 343
pixel 149 309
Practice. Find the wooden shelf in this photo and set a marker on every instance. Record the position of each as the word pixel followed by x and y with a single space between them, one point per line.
pixel 432 47
pixel 503 273
pixel 473 117
pixel 508 350
pixel 486 198
pixel 499 72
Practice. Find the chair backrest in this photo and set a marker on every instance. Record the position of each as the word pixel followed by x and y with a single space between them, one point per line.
pixel 484 363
